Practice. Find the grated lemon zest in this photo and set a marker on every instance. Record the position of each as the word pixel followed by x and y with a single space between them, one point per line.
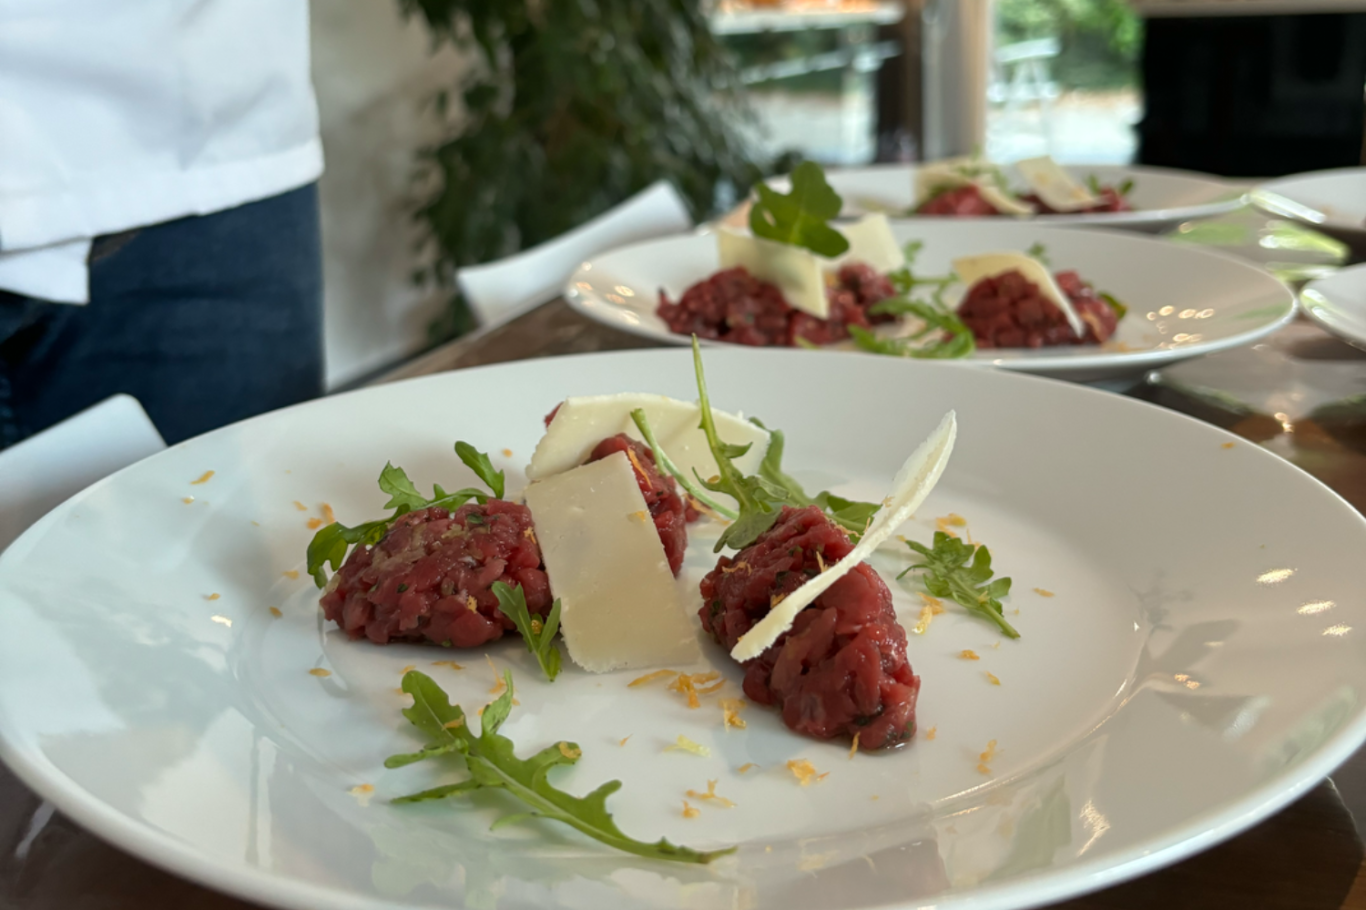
pixel 568 751
pixel 329 517
pixel 498 684
pixel 622 741
pixel 712 795
pixel 640 468
pixel 931 732
pixel 314 524
pixel 319 671
pixel 203 478
pixel 292 573
pixel 853 747
pixel 991 678
pixel 1042 593
pixel 275 611
pixel 686 745
pixel 968 654
pixel 650 677
pixel 447 663
pixel 730 713
pixel 747 766
pixel 300 506
pixel 690 811
pixel 805 772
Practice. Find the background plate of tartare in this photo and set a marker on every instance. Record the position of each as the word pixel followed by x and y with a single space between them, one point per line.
pixel 1183 301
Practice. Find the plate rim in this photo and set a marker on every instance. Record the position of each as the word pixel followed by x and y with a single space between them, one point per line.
pixel 1323 287
pixel 238 879
pixel 588 305
pixel 1345 230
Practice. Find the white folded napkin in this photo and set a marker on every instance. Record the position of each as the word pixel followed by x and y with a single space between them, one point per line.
pixel 499 290
pixel 47 469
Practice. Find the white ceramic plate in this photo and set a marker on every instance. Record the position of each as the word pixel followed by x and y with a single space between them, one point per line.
pixel 1183 301
pixel 1338 303
pixel 1333 202
pixel 1199 664
pixel 1161 198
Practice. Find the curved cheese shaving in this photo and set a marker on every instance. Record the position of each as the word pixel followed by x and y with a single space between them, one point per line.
pixel 973 269
pixel 913 483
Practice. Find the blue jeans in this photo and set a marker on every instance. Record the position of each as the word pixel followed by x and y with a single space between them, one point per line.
pixel 206 320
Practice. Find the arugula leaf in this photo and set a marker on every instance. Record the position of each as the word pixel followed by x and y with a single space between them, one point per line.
pixel 1093 184
pixel 760 500
pixel 330 543
pixel 1120 309
pixel 479 463
pixel 948 574
pixel 849 514
pixel 800 218
pixel 936 315
pixel 1126 187
pixel 492 763
pixel 539 636
pixel 1040 252
pixel 663 461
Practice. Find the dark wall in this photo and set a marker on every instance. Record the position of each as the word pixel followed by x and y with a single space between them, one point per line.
pixel 1254 96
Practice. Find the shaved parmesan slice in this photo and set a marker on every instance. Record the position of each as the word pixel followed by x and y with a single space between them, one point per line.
pixel 619 605
pixel 934 178
pixel 1055 186
pixel 973 269
pixel 871 242
pixel 913 483
pixel 581 423
pixel 796 272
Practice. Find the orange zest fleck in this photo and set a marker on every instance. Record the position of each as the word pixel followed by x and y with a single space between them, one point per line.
pixel 853 747
pixel 362 788
pixel 329 517
pixel 734 567
pixel 498 684
pixel 203 478
pixel 640 515
pixel 650 677
pixel 730 713
pixel 187 500
pixel 690 811
pixel 570 752
pixel 507 453
pixel 712 689
pixel 447 663
pixel 275 611
pixel 453 724
pixel 640 469
pixel 683 744
pixel 820 561
pixel 1228 445
pixel 314 524
pixel 319 671
pixel 214 596
pixel 931 732
pixel 991 678
pixel 984 760
pixel 934 603
pixel 622 741
pixel 409 668
pixel 968 654
pixel 747 766
pixel 471 604
pixel 1042 593
pixel 805 772
pixel 300 506
pixel 292 573
pixel 712 796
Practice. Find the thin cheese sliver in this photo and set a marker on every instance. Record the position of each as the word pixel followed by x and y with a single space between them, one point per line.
pixel 619 605
pixel 941 175
pixel 796 271
pixel 972 269
pixel 1055 186
pixel 871 242
pixel 913 483
pixel 581 423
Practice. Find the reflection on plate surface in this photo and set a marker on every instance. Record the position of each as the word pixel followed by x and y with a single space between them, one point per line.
pixel 1198 665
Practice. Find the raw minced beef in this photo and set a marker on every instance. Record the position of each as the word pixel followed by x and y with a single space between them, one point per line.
pixel 960 201
pixel 1009 311
pixel 667 509
pixel 841 669
pixel 430 578
pixel 734 306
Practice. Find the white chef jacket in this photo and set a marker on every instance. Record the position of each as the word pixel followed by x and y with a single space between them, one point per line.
pixel 116 114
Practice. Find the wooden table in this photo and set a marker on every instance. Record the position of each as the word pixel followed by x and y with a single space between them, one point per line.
pixel 1301 394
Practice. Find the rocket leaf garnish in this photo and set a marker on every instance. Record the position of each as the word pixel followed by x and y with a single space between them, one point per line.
pixel 801 217
pixel 330 544
pixel 492 763
pixel 539 635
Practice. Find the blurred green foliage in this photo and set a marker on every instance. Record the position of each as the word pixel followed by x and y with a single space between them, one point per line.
pixel 569 108
pixel 1101 39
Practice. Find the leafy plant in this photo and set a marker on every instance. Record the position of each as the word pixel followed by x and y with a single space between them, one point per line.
pixel 948 573
pixel 568 109
pixel 492 764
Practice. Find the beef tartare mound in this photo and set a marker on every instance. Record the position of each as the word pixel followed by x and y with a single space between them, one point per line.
pixel 961 202
pixel 1111 200
pixel 841 670
pixel 667 509
pixel 430 577
pixel 734 306
pixel 1009 311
